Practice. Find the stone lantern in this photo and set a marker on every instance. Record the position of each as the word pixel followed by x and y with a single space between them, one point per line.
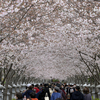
pixel 81 86
pixel 1 89
pixel 20 87
pixel 23 87
pixel 77 85
pixel 13 90
pixel 98 88
pixel 17 88
pixel 8 93
pixel 85 85
pixel 93 91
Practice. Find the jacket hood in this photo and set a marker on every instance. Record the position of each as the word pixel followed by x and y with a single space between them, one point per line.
pixel 77 93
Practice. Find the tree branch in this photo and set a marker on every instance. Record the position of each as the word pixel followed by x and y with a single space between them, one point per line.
pixel 88 67
pixel 16 24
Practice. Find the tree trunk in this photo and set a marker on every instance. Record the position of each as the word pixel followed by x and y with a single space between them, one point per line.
pixel 5 91
pixel 0 74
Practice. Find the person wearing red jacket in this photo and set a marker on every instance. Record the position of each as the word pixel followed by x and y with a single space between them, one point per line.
pixel 36 88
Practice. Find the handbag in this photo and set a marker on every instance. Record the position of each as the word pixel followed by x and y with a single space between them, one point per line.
pixel 46 97
pixel 68 96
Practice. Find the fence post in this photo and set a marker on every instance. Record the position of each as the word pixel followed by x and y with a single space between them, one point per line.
pixel 93 91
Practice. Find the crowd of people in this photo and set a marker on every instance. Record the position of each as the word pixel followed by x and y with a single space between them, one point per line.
pixel 53 91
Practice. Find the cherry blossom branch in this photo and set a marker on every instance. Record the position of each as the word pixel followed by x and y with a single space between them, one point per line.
pixel 88 67
pixel 17 24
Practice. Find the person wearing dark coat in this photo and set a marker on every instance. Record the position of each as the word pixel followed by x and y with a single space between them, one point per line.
pixel 27 92
pixel 68 92
pixel 47 90
pixel 71 90
pixel 42 95
pixel 58 84
pixel 77 95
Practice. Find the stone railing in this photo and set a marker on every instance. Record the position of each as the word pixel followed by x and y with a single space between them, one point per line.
pixel 15 88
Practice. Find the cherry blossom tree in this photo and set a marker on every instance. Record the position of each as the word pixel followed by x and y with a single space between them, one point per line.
pixel 48 36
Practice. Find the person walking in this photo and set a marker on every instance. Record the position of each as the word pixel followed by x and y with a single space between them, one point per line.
pixel 33 96
pixel 71 90
pixel 47 92
pixel 87 95
pixel 63 94
pixel 26 94
pixel 77 95
pixel 68 92
pixel 36 88
pixel 42 94
pixel 55 94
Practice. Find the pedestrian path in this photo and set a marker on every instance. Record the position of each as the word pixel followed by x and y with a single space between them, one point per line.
pixel 49 91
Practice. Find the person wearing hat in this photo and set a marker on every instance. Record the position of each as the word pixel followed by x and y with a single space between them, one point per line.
pixel 55 94
pixel 77 95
